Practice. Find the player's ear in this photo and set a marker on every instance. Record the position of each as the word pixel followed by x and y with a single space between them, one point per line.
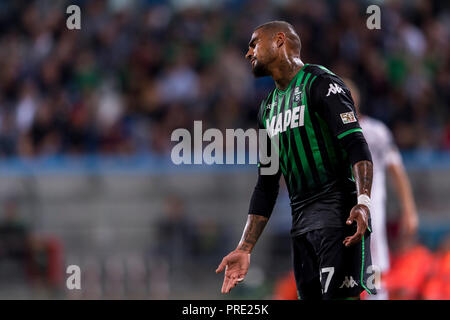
pixel 280 38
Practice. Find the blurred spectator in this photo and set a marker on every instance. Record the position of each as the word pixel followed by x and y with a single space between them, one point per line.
pixel 210 241
pixel 44 264
pixel 418 273
pixel 27 258
pixel 14 241
pixel 410 267
pixel 437 286
pixel 176 236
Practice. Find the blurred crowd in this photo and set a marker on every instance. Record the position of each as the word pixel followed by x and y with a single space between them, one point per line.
pixel 139 69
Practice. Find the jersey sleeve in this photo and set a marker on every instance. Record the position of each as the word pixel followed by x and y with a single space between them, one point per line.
pixel 333 102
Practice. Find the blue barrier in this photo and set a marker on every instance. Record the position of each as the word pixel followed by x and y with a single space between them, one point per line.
pixel 99 164
pixel 149 163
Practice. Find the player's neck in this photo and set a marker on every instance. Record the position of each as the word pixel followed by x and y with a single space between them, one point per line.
pixel 286 72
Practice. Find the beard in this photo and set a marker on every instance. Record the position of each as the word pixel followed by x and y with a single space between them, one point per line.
pixel 260 70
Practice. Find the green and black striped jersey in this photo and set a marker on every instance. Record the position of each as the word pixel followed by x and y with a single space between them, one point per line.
pixel 309 118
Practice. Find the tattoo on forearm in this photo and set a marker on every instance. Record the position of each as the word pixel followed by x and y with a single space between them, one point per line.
pixel 363 172
pixel 253 229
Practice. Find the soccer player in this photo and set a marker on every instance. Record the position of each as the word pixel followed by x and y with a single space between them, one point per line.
pixel 327 167
pixel 385 157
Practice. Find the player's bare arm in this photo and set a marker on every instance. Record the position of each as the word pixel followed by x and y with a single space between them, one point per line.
pixel 410 220
pixel 363 173
pixel 253 229
pixel 237 262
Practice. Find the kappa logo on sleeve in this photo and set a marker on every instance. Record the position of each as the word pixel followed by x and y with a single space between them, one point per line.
pixel 334 88
pixel 348 117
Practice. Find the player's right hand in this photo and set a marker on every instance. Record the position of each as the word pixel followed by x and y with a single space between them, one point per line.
pixel 236 265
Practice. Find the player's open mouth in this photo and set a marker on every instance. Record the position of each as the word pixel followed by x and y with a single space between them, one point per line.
pixel 253 61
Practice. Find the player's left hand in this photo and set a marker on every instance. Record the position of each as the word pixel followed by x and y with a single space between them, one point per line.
pixel 360 214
